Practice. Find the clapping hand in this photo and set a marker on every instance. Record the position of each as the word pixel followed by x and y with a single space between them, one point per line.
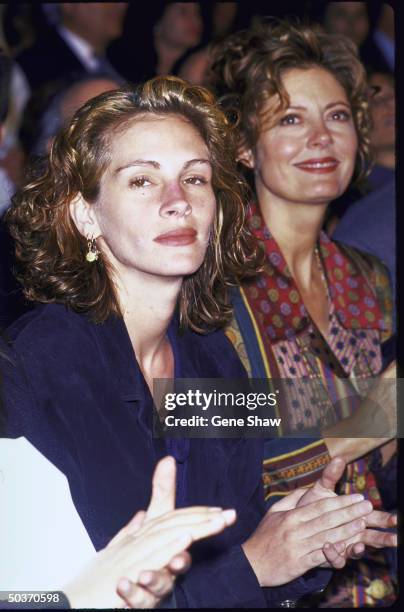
pixel 338 553
pixel 139 566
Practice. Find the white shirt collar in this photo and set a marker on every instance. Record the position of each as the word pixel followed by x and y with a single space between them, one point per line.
pixel 80 47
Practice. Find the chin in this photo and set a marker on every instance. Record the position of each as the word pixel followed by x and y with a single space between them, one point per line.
pixel 322 196
pixel 185 269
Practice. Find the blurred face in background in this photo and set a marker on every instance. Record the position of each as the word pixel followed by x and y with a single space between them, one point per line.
pixel 79 94
pixel 180 25
pixel 348 18
pixel 97 22
pixel 82 92
pixel 383 112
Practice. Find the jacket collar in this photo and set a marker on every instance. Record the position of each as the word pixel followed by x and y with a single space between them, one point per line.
pixel 352 297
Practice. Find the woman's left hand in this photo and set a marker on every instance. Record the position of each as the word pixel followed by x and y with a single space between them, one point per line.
pixel 153 586
pixel 338 553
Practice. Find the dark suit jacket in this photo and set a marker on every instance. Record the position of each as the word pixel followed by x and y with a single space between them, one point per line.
pixel 49 59
pixel 370 225
pixel 82 401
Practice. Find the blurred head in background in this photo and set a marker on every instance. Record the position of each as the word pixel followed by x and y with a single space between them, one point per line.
pixel 47 111
pixel 383 119
pixel 348 18
pixel 178 29
pixel 180 25
pixel 99 23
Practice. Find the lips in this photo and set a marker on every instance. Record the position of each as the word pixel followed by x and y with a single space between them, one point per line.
pixel 319 165
pixel 178 237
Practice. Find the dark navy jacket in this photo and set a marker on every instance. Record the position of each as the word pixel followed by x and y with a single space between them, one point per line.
pixel 82 401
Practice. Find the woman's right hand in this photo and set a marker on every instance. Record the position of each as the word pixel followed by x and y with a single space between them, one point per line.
pixel 288 543
pixel 149 542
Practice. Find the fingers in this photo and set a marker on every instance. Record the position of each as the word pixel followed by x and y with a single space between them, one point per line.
pixel 333 556
pixel 375 538
pixel 134 525
pixel 159 584
pixel 152 585
pixel 334 511
pixel 379 539
pixel 135 596
pixel 381 519
pixel 355 551
pixel 161 545
pixel 180 563
pixel 163 488
pixel 332 473
pixel 199 521
pixel 344 532
pixel 289 502
pixel 200 527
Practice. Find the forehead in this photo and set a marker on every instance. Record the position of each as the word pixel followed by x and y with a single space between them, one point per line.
pixel 158 138
pixel 312 83
pixel 342 9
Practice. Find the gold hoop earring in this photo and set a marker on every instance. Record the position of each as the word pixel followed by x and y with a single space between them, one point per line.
pixel 92 252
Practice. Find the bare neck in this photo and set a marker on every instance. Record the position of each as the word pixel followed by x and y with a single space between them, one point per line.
pixel 148 308
pixel 296 228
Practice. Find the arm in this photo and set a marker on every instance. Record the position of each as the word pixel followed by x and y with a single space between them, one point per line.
pixel 295 462
pixel 376 417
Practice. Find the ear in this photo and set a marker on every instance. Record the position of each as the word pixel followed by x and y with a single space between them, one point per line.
pixel 84 217
pixel 246 157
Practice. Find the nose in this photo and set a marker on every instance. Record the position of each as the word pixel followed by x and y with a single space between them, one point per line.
pixel 320 135
pixel 175 202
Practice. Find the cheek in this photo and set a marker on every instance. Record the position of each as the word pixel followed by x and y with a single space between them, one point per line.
pixel 209 216
pixel 351 147
pixel 275 153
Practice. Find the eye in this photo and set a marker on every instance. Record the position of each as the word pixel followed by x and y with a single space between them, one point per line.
pixel 196 180
pixel 341 115
pixel 290 119
pixel 140 181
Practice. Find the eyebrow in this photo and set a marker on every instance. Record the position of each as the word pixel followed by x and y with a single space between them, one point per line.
pixel 154 164
pixel 340 102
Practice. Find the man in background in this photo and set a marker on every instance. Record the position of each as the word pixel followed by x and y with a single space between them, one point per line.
pixel 76 44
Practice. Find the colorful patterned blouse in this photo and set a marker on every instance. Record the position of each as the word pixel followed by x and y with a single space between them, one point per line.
pixel 276 338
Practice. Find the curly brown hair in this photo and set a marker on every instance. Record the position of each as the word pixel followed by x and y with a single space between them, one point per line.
pixel 51 252
pixel 249 65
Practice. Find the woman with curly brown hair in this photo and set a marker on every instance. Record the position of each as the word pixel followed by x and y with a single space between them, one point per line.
pixel 131 230
pixel 320 311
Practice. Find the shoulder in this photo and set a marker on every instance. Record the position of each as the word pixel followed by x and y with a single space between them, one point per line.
pixel 378 278
pixel 54 347
pixel 369 265
pixel 46 326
